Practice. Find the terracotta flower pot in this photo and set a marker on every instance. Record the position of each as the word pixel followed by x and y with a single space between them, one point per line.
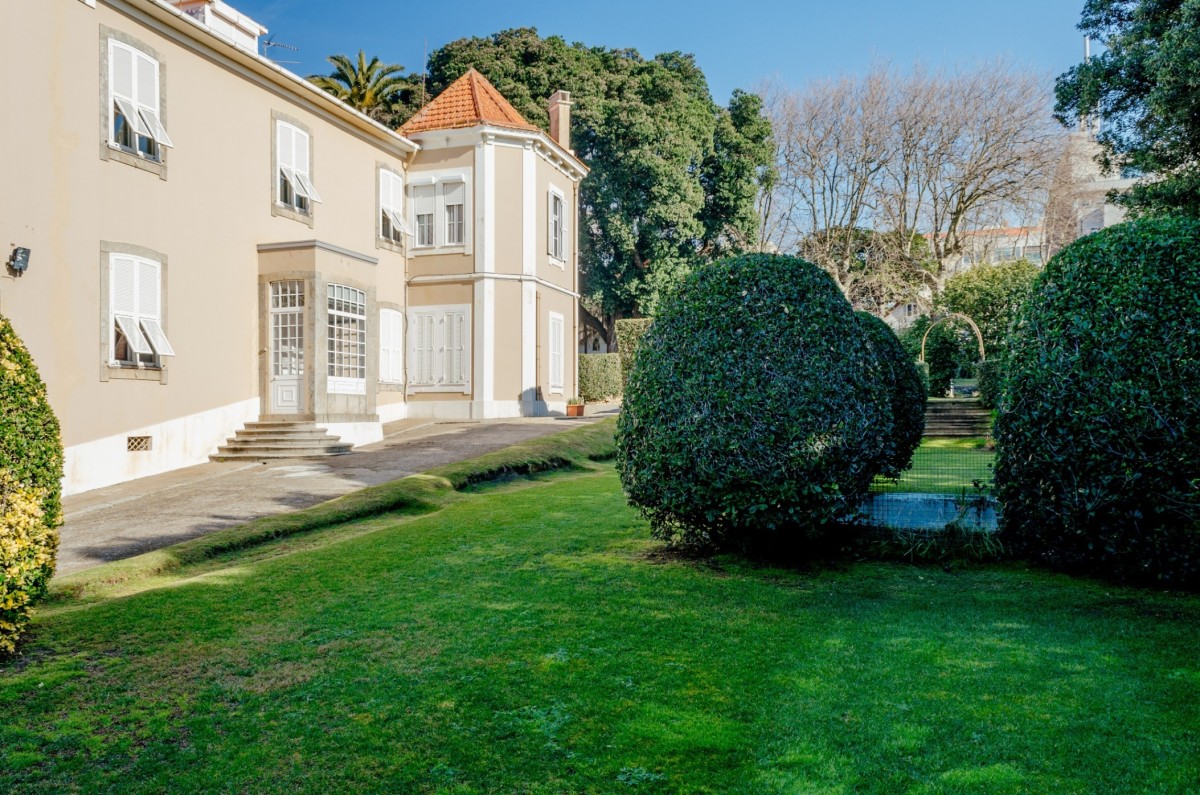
pixel 575 410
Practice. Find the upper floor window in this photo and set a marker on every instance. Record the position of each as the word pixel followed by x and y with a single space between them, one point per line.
pixel 135 308
pixel 440 213
pixel 392 226
pixel 557 224
pixel 135 115
pixel 293 154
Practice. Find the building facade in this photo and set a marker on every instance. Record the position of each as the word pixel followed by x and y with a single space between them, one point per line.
pixel 214 241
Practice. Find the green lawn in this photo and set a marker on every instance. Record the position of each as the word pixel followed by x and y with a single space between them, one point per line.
pixel 528 638
pixel 945 466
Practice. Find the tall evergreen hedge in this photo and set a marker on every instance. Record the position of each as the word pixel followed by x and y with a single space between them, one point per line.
pixel 31 466
pixel 1098 436
pixel 906 394
pixel 755 415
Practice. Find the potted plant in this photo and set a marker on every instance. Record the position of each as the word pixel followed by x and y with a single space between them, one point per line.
pixel 575 407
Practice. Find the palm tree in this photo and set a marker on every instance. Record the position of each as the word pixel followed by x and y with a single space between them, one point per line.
pixel 371 87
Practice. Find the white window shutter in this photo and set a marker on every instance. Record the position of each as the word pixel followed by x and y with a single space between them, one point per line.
pixel 456 348
pixel 120 71
pixel 123 288
pixel 455 192
pixel 284 146
pixel 550 223
pixel 147 82
pixel 148 290
pixel 556 351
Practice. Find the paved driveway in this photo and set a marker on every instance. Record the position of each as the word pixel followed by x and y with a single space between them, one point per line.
pixel 149 513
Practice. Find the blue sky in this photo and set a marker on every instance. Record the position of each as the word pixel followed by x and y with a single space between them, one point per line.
pixel 737 44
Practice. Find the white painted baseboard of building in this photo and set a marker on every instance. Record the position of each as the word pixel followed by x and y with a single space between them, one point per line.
pixel 175 444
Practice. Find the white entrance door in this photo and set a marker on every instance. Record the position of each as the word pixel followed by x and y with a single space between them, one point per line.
pixel 287 347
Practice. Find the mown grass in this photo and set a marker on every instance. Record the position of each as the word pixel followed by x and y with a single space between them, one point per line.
pixel 945 466
pixel 528 638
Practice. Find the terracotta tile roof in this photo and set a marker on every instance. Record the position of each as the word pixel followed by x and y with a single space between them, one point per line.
pixel 468 101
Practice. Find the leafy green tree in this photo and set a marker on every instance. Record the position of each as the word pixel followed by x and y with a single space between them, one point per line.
pixel 1146 87
pixel 674 176
pixel 990 295
pixel 372 87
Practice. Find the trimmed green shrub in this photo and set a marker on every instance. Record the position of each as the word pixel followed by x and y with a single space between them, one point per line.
pixel 600 376
pixel 755 416
pixel 990 375
pixel 906 392
pixel 1098 436
pixel 30 486
pixel 629 336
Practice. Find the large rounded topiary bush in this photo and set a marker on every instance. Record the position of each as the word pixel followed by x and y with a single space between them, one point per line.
pixel 906 392
pixel 30 490
pixel 1098 438
pixel 754 413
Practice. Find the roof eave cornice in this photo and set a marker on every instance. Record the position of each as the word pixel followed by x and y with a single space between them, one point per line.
pixel 463 136
pixel 292 84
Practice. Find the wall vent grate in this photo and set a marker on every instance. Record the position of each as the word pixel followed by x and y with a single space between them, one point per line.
pixel 138 444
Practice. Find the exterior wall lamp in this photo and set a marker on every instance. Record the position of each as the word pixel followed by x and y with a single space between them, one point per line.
pixel 19 261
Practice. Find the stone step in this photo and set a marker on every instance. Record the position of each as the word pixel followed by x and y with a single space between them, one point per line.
pixel 284 444
pixel 266 455
pixel 258 441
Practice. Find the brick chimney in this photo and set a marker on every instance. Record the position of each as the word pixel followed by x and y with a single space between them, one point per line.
pixel 560 119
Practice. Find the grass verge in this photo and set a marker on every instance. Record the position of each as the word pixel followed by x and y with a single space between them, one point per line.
pixel 411 496
pixel 529 637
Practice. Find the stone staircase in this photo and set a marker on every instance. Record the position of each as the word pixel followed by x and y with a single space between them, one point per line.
pixel 956 417
pixel 261 441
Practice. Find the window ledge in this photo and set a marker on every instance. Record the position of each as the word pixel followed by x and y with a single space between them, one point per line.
pixel 389 245
pixel 464 389
pixel 118 372
pixel 416 252
pixel 389 386
pixel 561 264
pixel 110 151
pixel 285 211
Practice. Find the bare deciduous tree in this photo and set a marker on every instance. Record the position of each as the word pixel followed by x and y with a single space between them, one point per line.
pixel 881 177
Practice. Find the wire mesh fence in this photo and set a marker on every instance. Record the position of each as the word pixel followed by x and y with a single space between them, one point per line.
pixel 950 481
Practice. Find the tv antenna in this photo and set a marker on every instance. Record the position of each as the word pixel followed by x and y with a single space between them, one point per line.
pixel 270 42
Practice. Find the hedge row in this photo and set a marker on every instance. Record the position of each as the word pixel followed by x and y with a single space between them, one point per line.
pixel 31 462
pixel 756 412
pixel 1098 436
pixel 600 376
pixel 629 336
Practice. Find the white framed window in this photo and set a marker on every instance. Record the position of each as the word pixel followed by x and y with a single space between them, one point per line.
pixel 295 189
pixel 391 346
pixel 439 348
pixel 454 200
pixel 441 210
pixel 557 327
pixel 347 340
pixel 392 226
pixel 133 102
pixel 557 225
pixel 424 207
pixel 135 310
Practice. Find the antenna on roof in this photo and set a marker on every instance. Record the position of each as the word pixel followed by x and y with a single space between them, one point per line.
pixel 270 42
pixel 424 71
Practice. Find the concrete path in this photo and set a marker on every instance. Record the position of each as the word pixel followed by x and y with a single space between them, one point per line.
pixel 141 515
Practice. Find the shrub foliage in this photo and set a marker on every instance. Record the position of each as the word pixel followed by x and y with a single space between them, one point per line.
pixel 1098 438
pixel 755 414
pixel 30 486
pixel 599 376
pixel 906 391
pixel 629 336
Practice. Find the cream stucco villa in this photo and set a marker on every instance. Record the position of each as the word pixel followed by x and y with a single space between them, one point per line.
pixel 197 239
